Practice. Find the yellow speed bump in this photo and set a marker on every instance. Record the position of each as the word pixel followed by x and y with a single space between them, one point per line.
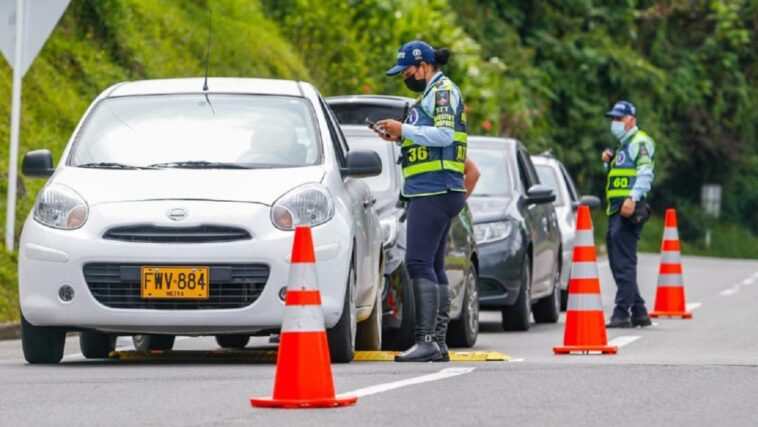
pixel 269 356
pixel 455 356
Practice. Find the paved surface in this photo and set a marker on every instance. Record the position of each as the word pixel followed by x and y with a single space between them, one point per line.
pixel 698 372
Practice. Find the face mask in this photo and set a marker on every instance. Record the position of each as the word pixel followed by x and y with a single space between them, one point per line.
pixel 415 84
pixel 617 129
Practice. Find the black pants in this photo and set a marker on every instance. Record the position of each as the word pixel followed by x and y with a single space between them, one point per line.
pixel 429 220
pixel 622 239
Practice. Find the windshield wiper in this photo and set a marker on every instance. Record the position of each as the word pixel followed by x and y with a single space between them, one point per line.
pixel 111 165
pixel 200 164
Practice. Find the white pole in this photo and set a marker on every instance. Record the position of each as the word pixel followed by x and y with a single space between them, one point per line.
pixel 10 216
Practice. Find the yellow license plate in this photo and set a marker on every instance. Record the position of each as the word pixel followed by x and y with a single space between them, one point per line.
pixel 175 282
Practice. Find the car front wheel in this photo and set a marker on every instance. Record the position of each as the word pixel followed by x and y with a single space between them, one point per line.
pixel 517 317
pixel 342 336
pixel 232 341
pixel 462 332
pixel 96 345
pixel 150 342
pixel 42 344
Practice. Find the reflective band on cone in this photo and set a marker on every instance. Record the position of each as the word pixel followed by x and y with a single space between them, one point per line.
pixel 585 319
pixel 669 297
pixel 303 371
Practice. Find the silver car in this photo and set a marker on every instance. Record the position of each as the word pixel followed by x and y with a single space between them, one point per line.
pixel 567 199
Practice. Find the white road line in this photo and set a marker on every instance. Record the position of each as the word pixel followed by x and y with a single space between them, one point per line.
pixel 729 291
pixel 690 306
pixel 624 340
pixel 380 388
pixel 748 281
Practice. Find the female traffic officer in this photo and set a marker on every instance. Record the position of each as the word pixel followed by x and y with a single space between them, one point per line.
pixel 433 140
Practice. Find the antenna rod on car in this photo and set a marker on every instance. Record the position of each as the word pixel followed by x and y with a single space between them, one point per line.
pixel 208 52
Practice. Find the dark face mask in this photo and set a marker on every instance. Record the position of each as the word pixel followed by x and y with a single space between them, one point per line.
pixel 415 84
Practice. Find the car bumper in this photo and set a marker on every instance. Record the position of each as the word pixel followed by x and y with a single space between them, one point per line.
pixel 49 259
pixel 499 272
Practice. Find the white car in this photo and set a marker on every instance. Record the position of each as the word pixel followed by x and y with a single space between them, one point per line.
pixel 552 173
pixel 172 213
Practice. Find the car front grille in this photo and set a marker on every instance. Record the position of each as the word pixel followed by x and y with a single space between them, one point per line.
pixel 155 234
pixel 231 286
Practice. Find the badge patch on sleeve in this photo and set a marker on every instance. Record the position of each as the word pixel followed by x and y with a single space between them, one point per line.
pixel 442 98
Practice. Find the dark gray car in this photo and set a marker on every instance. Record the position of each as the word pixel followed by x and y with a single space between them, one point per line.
pixel 517 235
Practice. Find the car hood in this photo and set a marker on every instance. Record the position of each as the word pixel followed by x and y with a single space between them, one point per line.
pixel 487 209
pixel 254 186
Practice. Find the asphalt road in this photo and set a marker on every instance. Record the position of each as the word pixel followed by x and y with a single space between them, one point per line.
pixel 698 372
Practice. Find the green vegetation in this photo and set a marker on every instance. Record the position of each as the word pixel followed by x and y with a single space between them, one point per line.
pixel 543 72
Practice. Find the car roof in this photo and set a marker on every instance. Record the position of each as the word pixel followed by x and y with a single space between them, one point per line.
pixel 384 100
pixel 540 159
pixel 215 85
pixel 492 142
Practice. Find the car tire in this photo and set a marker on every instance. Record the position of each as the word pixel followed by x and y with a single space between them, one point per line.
pixel 564 299
pixel 232 341
pixel 517 316
pixel 42 344
pixel 342 336
pixel 151 342
pixel 404 337
pixel 463 331
pixel 548 309
pixel 96 345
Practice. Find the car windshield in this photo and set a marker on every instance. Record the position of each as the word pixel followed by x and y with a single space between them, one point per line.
pixel 357 113
pixel 493 165
pixel 382 182
pixel 549 176
pixel 198 131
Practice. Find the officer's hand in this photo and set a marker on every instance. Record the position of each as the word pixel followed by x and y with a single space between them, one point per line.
pixel 393 129
pixel 607 155
pixel 627 208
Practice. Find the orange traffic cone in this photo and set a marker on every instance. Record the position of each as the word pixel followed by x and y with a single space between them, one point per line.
pixel 669 298
pixel 303 370
pixel 585 320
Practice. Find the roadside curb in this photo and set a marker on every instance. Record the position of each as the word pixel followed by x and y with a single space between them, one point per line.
pixel 10 331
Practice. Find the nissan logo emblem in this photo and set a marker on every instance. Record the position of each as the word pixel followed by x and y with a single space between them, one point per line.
pixel 177 214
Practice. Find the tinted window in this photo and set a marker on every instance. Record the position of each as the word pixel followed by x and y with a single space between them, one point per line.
pixel 549 177
pixel 356 113
pixel 493 165
pixel 339 146
pixel 570 184
pixel 242 129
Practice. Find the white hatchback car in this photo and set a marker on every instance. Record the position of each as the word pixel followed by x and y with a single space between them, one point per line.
pixel 552 173
pixel 172 210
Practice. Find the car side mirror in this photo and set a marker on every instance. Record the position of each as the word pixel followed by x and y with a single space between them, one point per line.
pixel 539 194
pixel 38 164
pixel 590 201
pixel 362 164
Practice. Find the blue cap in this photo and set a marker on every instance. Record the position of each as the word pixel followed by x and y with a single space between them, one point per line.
pixel 412 53
pixel 622 108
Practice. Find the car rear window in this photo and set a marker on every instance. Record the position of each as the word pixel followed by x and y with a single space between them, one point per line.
pixel 356 113
pixel 250 130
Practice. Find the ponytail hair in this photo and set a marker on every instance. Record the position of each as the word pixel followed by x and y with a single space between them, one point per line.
pixel 441 56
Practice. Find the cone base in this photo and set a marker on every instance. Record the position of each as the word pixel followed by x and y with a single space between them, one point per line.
pixel 566 349
pixel 682 314
pixel 268 402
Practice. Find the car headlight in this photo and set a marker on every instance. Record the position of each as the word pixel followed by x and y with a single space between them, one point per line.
pixel 310 205
pixel 390 231
pixel 492 231
pixel 60 207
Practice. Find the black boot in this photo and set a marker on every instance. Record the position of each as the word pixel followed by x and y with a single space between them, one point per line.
pixel 426 298
pixel 443 317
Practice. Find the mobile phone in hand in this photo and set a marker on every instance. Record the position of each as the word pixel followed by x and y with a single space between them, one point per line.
pixel 373 126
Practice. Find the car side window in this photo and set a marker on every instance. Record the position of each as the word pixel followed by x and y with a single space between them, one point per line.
pixel 338 140
pixel 569 184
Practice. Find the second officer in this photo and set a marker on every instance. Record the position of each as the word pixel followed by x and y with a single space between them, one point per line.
pixel 433 143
